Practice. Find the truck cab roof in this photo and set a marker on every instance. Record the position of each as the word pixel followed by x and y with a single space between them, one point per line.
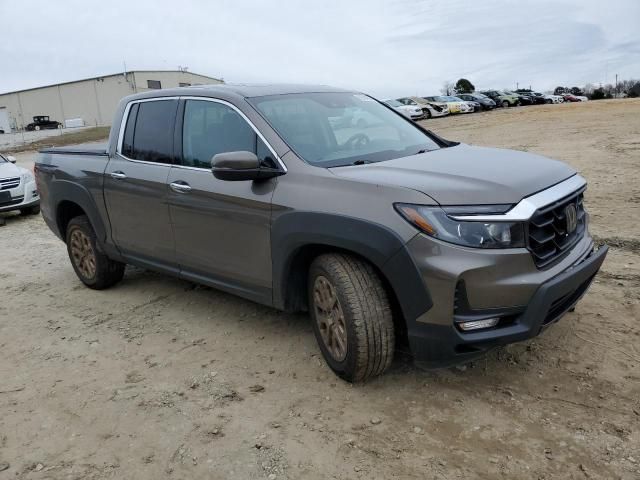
pixel 236 90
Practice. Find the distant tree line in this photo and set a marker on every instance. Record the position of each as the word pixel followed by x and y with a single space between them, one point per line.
pixel 629 88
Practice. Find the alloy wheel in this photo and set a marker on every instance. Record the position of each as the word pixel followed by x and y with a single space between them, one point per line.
pixel 330 318
pixel 83 254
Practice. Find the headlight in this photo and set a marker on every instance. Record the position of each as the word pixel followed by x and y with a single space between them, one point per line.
pixel 435 222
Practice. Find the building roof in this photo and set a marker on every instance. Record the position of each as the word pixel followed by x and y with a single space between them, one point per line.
pixel 105 76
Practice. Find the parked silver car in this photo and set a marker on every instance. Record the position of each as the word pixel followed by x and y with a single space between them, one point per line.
pixel 414 112
pixel 17 188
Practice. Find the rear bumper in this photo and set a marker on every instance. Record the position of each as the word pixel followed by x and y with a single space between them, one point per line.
pixel 526 301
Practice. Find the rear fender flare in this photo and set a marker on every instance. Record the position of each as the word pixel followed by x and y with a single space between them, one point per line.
pixel 63 190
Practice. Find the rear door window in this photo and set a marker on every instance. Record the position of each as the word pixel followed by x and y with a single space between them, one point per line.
pixel 148 134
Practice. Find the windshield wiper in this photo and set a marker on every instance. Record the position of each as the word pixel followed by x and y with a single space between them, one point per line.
pixel 361 162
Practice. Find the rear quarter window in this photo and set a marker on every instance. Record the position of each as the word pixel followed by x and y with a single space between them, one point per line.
pixel 148 133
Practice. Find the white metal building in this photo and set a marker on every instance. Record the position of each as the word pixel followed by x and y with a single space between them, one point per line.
pixel 93 100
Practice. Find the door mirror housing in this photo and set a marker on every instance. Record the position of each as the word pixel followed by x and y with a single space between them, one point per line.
pixel 242 165
pixel 11 159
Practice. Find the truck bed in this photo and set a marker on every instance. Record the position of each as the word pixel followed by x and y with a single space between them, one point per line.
pixel 83 149
pixel 76 174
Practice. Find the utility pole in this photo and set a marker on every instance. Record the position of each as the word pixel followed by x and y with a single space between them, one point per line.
pixel 616 94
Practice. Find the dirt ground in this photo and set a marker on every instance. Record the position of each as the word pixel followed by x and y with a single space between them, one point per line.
pixel 159 378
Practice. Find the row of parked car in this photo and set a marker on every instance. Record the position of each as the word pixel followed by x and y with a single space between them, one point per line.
pixel 418 108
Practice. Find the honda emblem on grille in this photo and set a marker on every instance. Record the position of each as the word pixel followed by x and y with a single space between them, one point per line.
pixel 571 217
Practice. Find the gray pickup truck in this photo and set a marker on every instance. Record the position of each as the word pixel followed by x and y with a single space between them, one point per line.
pixel 387 234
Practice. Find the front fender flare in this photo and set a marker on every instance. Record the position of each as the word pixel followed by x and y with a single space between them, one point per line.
pixel 291 232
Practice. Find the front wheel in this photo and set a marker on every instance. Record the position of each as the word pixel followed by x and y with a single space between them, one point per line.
pixel 505 103
pixel 91 265
pixel 351 316
pixel 37 128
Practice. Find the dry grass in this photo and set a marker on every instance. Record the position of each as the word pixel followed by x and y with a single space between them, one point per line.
pixel 89 135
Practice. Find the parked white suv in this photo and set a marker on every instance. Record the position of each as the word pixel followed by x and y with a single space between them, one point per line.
pixel 17 188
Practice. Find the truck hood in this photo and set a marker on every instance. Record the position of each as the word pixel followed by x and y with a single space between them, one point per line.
pixel 8 170
pixel 465 175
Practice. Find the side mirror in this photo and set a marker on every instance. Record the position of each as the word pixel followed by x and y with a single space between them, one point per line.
pixel 11 159
pixel 238 166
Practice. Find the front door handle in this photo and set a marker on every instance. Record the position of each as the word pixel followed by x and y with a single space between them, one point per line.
pixel 118 175
pixel 180 186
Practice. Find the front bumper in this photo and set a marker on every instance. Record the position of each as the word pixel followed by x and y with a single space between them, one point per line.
pixel 467 284
pixel 24 195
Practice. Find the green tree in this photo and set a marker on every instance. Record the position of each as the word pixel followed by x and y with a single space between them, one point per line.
pixel 464 86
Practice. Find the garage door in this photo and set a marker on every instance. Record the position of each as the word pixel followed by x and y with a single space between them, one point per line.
pixel 4 120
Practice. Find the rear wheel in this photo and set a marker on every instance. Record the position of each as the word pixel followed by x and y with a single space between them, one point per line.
pixel 92 266
pixel 351 316
pixel 548 101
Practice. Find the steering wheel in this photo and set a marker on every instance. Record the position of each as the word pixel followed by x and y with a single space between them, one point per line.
pixel 357 140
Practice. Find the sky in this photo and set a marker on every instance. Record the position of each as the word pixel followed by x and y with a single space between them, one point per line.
pixel 387 48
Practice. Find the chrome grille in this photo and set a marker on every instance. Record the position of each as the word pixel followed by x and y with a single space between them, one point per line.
pixel 548 239
pixel 8 183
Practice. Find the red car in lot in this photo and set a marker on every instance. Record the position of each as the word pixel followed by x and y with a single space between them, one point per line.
pixel 570 98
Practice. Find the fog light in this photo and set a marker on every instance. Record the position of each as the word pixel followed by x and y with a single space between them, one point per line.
pixel 478 324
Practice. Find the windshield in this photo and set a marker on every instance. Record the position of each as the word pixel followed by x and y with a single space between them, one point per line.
pixel 454 99
pixel 479 95
pixel 437 99
pixel 393 103
pixel 337 129
pixel 2 159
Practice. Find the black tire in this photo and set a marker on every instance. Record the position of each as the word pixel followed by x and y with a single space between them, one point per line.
pixel 106 272
pixel 35 210
pixel 366 310
pixel 548 101
pixel 428 115
pixel 505 104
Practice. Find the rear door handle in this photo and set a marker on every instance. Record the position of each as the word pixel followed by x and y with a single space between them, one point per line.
pixel 180 186
pixel 118 175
